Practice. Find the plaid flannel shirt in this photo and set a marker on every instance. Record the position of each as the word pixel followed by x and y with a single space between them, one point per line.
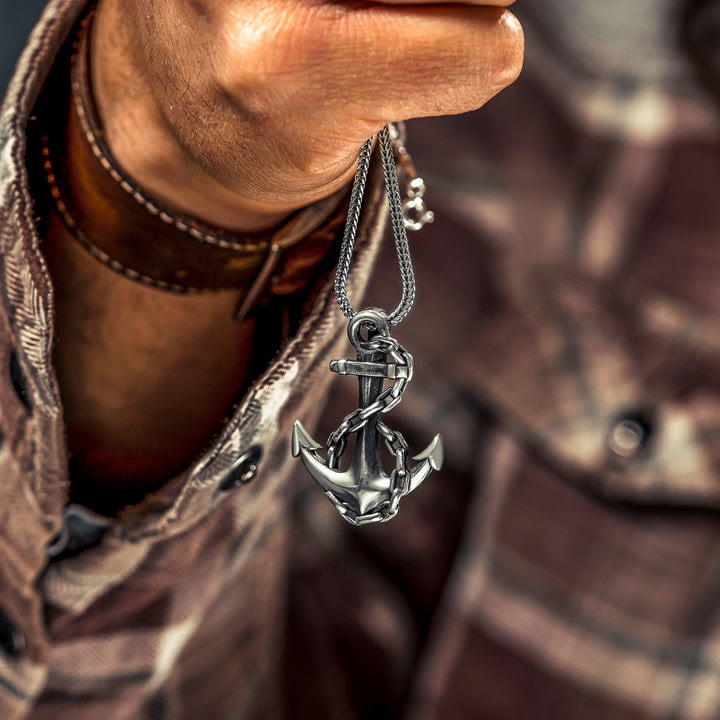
pixel 561 566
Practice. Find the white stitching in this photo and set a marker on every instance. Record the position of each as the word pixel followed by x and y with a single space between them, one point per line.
pixel 99 254
pixel 138 195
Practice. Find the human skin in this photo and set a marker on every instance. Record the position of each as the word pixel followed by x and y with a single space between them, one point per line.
pixel 260 106
pixel 236 112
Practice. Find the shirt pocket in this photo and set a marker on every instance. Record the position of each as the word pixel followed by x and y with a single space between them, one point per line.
pixel 570 366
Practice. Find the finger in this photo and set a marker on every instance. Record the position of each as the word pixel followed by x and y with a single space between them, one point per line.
pixel 403 61
pixel 480 3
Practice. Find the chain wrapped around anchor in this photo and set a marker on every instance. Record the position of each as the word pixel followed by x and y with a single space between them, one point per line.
pixel 358 419
pixel 365 493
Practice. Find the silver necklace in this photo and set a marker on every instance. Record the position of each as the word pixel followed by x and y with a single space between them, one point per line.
pixel 365 492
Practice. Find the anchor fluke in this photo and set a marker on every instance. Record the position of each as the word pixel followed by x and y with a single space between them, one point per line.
pixel 301 438
pixel 431 458
pixel 434 452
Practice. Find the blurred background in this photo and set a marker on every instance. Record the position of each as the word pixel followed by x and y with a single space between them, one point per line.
pixel 17 18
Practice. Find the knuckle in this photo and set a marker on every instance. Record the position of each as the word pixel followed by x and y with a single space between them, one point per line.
pixel 276 51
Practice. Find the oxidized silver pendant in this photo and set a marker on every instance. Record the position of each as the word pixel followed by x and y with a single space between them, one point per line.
pixel 365 492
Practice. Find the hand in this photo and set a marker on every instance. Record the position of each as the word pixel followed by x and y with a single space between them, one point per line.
pixel 239 111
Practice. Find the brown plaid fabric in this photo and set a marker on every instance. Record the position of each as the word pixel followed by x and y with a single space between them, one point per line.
pixel 174 609
pixel 564 565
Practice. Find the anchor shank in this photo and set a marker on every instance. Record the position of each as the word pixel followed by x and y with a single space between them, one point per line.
pixel 366 459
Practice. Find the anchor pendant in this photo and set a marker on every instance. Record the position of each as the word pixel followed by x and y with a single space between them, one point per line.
pixel 365 492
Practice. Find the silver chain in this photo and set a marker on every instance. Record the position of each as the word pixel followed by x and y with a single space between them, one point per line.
pixel 398 222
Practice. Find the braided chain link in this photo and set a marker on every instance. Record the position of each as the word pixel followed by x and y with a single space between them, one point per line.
pixel 398 224
pixel 346 249
pixel 397 220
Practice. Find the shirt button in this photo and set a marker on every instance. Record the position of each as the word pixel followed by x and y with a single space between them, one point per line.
pixel 12 640
pixel 629 435
pixel 243 470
